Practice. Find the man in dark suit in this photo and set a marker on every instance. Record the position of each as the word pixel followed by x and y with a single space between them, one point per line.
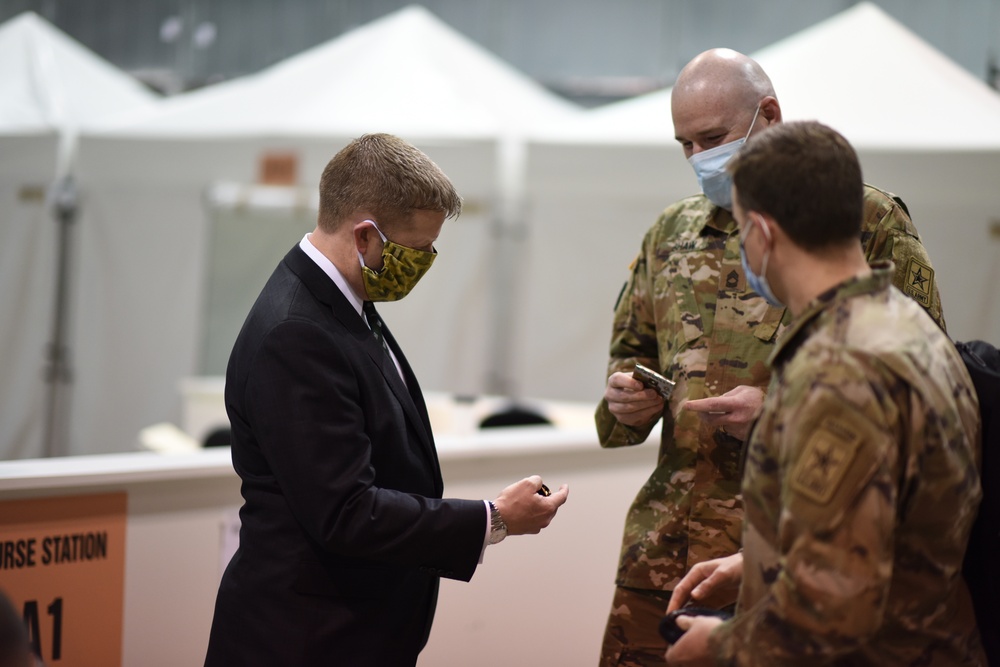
pixel 344 533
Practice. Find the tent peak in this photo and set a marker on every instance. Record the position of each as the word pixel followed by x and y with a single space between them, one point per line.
pixel 52 82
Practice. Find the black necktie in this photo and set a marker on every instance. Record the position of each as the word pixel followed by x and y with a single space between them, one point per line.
pixel 375 322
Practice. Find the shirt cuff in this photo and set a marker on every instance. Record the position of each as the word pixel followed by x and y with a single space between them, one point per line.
pixel 486 538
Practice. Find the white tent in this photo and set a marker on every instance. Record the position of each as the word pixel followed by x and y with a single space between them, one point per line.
pixel 52 83
pixel 50 87
pixel 180 238
pixel 924 128
pixel 406 73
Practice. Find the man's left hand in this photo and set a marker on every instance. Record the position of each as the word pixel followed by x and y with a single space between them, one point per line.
pixel 692 650
pixel 734 411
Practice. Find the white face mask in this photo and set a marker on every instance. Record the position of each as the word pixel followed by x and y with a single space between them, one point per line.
pixel 710 168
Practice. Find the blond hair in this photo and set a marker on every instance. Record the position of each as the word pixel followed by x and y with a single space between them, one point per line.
pixel 386 177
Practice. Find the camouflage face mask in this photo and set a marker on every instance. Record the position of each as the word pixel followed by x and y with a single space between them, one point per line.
pixel 402 269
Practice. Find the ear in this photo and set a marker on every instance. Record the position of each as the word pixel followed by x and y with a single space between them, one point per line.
pixel 770 110
pixel 364 234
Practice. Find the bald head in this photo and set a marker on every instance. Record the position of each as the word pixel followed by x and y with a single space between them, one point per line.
pixel 715 98
pixel 722 76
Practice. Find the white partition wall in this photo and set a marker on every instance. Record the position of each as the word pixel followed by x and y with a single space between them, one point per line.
pixel 546 596
pixel 50 87
pixel 28 264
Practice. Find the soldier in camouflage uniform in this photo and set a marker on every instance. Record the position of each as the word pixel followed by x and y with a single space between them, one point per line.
pixel 688 312
pixel 861 482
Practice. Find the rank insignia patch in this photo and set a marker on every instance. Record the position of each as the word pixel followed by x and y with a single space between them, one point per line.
pixel 919 282
pixel 827 457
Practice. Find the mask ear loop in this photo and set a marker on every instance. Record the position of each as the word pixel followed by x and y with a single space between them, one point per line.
pixel 763 228
pixel 384 239
pixel 767 239
pixel 361 257
pixel 752 122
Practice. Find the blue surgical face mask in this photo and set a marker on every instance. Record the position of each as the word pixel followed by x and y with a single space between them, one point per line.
pixel 759 283
pixel 710 168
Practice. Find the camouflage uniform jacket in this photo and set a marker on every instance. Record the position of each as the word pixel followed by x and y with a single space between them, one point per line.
pixel 861 487
pixel 687 311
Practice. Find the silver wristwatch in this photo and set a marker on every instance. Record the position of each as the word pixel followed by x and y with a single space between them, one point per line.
pixel 498 529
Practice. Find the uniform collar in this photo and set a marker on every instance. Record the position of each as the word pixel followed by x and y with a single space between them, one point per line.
pixel 878 280
pixel 719 219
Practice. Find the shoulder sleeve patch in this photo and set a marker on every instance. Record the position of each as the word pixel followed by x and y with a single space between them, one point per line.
pixel 825 459
pixel 919 282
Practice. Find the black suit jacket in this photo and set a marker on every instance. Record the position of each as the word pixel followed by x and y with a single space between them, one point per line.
pixel 344 533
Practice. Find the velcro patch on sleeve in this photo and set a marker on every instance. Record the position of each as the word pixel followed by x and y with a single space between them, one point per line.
pixel 919 283
pixel 826 458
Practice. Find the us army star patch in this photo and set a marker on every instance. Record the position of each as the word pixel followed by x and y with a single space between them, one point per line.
pixel 827 457
pixel 919 282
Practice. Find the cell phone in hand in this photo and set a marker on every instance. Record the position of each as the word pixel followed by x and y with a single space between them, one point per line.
pixel 653 380
pixel 668 624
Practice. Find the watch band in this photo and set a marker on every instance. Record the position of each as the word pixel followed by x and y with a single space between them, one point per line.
pixel 498 529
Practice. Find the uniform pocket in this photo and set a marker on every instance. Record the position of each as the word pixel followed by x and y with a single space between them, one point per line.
pixel 679 314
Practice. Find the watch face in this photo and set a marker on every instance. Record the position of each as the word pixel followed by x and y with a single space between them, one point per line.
pixel 498 529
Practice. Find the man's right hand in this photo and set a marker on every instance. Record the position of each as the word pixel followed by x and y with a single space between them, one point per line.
pixel 524 510
pixel 630 402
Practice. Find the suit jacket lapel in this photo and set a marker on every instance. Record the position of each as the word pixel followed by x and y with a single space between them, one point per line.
pixel 416 398
pixel 327 292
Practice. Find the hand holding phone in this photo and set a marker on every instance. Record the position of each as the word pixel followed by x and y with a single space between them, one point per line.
pixel 653 380
pixel 668 624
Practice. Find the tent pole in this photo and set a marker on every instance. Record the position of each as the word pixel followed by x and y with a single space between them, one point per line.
pixel 58 374
pixel 509 233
